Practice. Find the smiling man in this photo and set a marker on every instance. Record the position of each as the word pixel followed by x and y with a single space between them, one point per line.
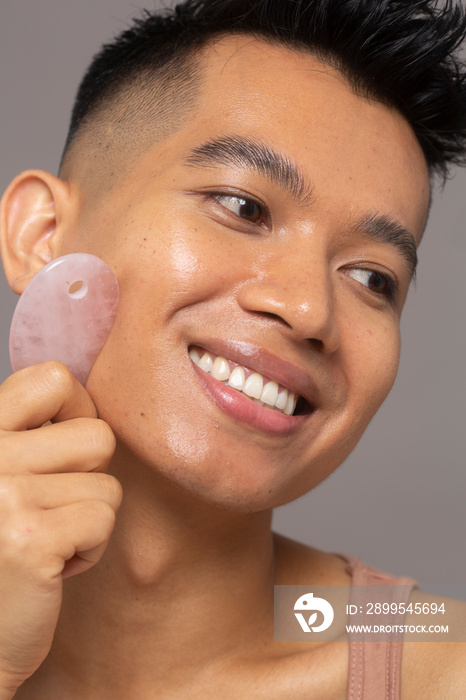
pixel 257 175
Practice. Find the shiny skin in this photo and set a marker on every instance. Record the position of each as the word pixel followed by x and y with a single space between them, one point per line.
pixel 191 270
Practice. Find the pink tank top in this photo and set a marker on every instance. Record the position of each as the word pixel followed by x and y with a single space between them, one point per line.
pixel 375 667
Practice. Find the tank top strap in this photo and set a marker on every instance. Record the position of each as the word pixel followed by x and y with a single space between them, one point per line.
pixel 375 667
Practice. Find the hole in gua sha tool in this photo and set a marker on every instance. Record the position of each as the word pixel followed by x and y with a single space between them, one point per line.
pixel 65 313
pixel 78 289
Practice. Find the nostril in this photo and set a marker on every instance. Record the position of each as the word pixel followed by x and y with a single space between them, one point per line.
pixel 275 316
pixel 318 344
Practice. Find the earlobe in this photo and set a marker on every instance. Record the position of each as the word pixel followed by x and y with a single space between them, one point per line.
pixel 30 214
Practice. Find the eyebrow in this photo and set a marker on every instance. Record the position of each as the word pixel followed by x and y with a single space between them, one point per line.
pixel 243 152
pixel 384 229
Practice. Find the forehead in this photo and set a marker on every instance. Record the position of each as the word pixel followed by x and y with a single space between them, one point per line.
pixel 306 110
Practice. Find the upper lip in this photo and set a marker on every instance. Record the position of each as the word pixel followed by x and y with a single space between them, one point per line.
pixel 254 357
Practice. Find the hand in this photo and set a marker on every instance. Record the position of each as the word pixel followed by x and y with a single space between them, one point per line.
pixel 57 507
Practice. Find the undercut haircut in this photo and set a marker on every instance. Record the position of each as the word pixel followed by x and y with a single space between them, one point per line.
pixel 404 53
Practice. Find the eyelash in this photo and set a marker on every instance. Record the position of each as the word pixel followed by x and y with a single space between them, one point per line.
pixel 390 289
pixel 390 285
pixel 243 201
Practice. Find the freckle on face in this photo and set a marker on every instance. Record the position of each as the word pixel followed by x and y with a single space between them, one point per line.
pixel 189 286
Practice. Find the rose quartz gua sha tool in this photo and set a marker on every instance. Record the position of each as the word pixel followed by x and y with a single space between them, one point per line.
pixel 65 313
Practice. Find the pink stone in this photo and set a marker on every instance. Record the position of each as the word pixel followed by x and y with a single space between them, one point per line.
pixel 65 313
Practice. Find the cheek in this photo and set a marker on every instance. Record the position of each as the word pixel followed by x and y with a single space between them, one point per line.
pixel 180 265
pixel 161 282
pixel 375 358
pixel 174 271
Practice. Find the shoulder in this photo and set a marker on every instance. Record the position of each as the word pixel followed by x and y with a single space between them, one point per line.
pixel 299 564
pixel 436 669
pixel 431 670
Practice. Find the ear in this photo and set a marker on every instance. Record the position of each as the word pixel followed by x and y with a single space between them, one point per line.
pixel 32 213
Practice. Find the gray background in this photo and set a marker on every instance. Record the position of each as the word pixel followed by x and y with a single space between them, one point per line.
pixel 398 502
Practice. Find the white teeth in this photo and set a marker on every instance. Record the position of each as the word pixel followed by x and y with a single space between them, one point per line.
pixel 290 404
pixel 282 399
pixel 237 378
pixel 194 355
pixel 206 362
pixel 253 386
pixel 220 369
pixel 270 393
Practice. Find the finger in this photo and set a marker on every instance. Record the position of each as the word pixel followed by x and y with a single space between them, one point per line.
pixel 47 391
pixel 81 529
pixel 80 444
pixel 47 491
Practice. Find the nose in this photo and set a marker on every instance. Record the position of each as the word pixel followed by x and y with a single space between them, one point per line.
pixel 298 293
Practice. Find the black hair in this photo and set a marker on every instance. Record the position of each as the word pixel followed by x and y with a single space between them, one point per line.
pixel 402 52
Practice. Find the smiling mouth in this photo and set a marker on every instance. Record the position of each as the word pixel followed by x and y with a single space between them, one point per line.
pixel 262 390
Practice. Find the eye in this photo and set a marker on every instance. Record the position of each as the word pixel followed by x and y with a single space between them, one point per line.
pixel 244 208
pixel 375 281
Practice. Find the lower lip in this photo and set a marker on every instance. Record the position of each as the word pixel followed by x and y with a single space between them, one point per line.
pixel 243 409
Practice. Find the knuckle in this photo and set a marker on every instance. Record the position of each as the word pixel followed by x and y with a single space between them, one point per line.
pixel 20 537
pixel 48 378
pixel 51 373
pixel 109 489
pixel 12 491
pixel 56 375
pixel 109 514
pixel 114 491
pixel 102 439
pixel 103 516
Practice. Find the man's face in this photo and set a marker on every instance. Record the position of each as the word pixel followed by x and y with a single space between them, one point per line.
pixel 274 230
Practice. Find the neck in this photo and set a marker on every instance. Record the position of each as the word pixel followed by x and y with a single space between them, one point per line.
pixel 182 584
